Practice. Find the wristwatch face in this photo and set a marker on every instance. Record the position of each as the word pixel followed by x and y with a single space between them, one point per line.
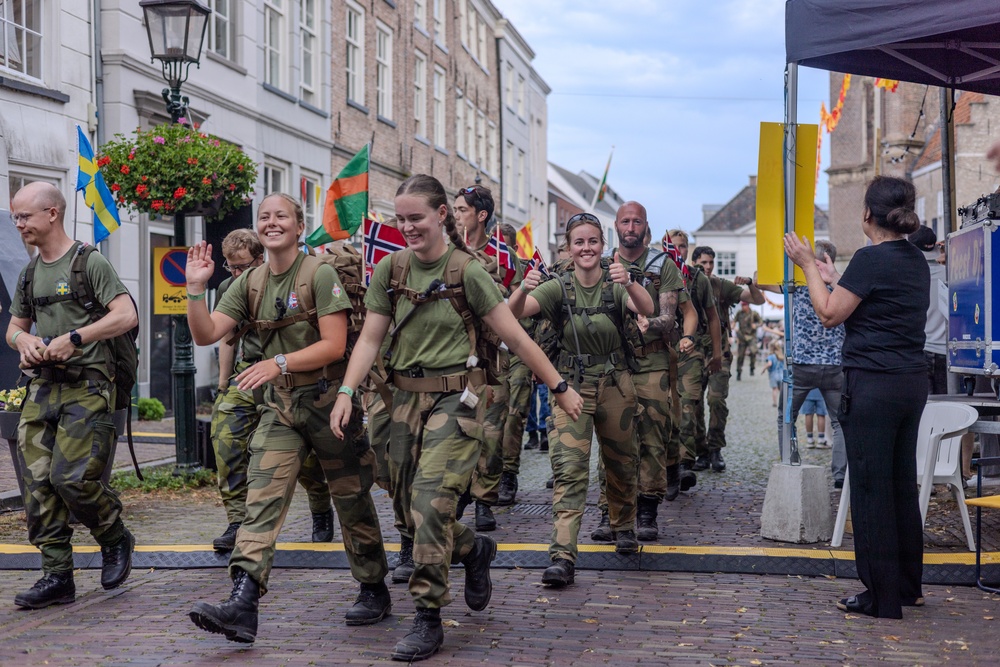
pixel 282 364
pixel 75 338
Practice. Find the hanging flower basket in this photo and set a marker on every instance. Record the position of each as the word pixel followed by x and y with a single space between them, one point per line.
pixel 176 169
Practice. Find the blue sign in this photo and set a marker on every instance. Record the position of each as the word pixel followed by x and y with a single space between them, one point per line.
pixel 172 267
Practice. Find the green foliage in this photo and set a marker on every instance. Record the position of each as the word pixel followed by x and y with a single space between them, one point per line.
pixel 176 168
pixel 151 409
pixel 160 479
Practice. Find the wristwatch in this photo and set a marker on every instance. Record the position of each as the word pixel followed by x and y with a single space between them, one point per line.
pixel 560 388
pixel 282 363
pixel 75 338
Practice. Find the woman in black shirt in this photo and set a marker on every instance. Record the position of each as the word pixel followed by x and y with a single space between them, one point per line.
pixel 882 300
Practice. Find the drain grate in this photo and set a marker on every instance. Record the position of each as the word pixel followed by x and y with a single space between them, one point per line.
pixel 528 509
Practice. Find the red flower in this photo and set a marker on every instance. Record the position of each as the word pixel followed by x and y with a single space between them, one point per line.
pixel 145 178
pixel 192 160
pixel 232 186
pixel 239 167
pixel 170 206
pixel 157 204
pixel 103 160
pixel 140 189
pixel 179 192
pixel 124 169
pixel 115 187
pixel 206 180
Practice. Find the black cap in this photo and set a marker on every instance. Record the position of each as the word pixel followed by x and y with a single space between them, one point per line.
pixel 924 238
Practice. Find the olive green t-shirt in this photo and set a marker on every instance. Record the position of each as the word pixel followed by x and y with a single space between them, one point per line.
pixel 435 336
pixel 328 293
pixel 701 294
pixel 605 339
pixel 670 281
pixel 250 342
pixel 727 294
pixel 56 319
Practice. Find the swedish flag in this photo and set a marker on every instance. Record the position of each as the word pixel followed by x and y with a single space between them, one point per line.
pixel 95 191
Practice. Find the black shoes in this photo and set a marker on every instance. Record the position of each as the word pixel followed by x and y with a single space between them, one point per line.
pixel 550 483
pixel 478 586
pixel 717 462
pixel 701 463
pixel 838 483
pixel 751 371
pixel 485 521
pixel 404 566
pixel 673 482
pixel 739 374
pixel 687 478
pixel 373 604
pixel 323 526
pixel 226 541
pixel 464 501
pixel 647 530
pixel 603 531
pixel 236 618
pixel 52 588
pixel 424 639
pixel 625 542
pixel 508 489
pixel 116 562
pixel 532 440
pixel 560 573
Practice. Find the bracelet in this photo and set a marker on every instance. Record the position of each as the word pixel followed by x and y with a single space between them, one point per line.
pixel 344 389
pixel 13 338
pixel 196 297
pixel 689 337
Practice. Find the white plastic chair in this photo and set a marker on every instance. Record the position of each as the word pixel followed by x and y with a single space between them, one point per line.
pixel 942 426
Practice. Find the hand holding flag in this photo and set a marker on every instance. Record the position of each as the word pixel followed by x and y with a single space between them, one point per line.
pixel 538 264
pixel 505 261
pixel 671 250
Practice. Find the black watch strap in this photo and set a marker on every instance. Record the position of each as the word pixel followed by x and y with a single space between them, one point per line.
pixel 560 388
pixel 75 338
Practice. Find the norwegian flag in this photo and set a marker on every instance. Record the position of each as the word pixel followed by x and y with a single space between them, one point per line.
pixel 497 248
pixel 538 264
pixel 380 240
pixel 671 250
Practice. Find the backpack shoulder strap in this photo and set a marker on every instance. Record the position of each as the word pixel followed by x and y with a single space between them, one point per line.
pixel 27 287
pixel 80 283
pixel 304 286
pixel 454 276
pixel 399 262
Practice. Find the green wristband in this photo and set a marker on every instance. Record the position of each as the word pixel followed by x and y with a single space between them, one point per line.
pixel 13 338
pixel 346 390
pixel 196 297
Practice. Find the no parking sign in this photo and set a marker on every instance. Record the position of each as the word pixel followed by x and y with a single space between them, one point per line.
pixel 169 282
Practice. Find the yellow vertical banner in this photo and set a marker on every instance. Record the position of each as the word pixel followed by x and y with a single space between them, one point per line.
pixel 771 197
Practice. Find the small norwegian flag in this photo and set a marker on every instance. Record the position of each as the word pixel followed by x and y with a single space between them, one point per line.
pixel 671 250
pixel 380 240
pixel 497 248
pixel 538 264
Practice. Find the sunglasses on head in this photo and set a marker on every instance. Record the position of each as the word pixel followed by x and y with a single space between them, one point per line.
pixel 583 217
pixel 474 191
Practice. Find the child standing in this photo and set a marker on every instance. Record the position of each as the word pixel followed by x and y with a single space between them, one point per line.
pixel 775 368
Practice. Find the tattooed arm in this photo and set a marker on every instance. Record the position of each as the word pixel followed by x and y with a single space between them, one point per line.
pixel 664 322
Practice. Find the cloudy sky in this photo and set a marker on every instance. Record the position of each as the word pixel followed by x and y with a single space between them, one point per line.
pixel 679 87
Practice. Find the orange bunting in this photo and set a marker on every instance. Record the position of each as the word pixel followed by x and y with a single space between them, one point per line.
pixel 830 120
pixel 888 84
pixel 779 306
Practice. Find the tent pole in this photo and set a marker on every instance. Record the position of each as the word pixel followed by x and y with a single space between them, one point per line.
pixel 789 449
pixel 948 160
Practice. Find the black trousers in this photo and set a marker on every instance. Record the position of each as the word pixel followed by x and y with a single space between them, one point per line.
pixel 880 415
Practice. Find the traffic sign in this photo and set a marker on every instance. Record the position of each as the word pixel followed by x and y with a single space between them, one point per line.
pixel 169 281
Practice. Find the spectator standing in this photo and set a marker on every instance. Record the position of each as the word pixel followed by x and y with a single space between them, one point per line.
pixel 815 405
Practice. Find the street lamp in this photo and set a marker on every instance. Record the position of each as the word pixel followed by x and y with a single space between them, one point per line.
pixel 176 31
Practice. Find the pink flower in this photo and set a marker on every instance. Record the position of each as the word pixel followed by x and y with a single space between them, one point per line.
pixel 159 140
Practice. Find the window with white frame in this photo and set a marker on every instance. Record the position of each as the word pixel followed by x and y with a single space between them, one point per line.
pixel 420 95
pixel 508 86
pixel 922 209
pixel 470 130
pixel 439 21
pixel 439 115
pixel 274 179
pixel 420 14
pixel 355 60
pixel 274 20
pixel 21 37
pixel 520 96
pixel 473 21
pixel 725 264
pixel 383 70
pixel 222 28
pixel 491 152
pixel 463 22
pixel 309 46
pixel 459 123
pixel 310 193
pixel 481 35
pixel 522 191
pixel 481 139
pixel 508 176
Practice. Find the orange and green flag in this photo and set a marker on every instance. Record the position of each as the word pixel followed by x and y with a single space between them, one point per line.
pixel 346 202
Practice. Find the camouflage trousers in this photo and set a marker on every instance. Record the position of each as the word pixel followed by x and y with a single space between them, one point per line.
pixel 293 423
pixel 742 348
pixel 690 370
pixel 64 443
pixel 486 482
pixel 435 445
pixel 519 386
pixel 653 431
pixel 379 426
pixel 716 387
pixel 609 409
pixel 234 418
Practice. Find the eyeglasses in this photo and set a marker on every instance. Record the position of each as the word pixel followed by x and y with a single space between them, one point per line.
pixel 239 267
pixel 583 217
pixel 474 191
pixel 18 218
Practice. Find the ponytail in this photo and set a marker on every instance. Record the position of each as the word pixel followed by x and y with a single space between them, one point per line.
pixel 453 235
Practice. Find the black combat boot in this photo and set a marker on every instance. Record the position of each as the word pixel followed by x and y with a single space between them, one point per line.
pixel 373 604
pixel 687 477
pixel 625 542
pixel 508 489
pixel 718 463
pixel 550 482
pixel 739 374
pixel 236 618
pixel 532 440
pixel 52 588
pixel 478 585
pixel 464 501
pixel 673 482
pixel 116 561
pixel 603 531
pixel 226 541
pixel 647 530
pixel 485 521
pixel 424 639
pixel 559 574
pixel 700 463
pixel 404 566
pixel 323 526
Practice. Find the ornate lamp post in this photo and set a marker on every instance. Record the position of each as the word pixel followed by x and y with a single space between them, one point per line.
pixel 176 31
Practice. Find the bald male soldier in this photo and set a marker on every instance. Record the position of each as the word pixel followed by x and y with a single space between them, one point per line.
pixel 66 431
